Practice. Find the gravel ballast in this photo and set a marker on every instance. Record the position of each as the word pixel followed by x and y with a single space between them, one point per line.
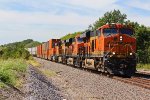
pixel 69 83
pixel 38 87
pixel 76 84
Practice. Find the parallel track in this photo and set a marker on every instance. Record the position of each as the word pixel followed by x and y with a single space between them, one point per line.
pixel 138 81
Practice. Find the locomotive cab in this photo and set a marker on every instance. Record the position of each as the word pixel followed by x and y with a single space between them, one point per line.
pixel 62 51
pixel 119 49
pixel 52 48
pixel 74 50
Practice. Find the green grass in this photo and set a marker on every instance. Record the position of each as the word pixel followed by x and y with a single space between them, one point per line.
pixel 33 62
pixel 143 66
pixel 11 70
pixel 2 85
pixel 68 36
pixel 49 73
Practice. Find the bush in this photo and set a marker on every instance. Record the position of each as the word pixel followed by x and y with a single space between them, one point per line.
pixel 14 53
pixel 143 66
pixel 17 49
pixel 10 68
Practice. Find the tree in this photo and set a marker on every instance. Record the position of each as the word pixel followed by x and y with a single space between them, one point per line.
pixel 114 16
pixel 142 33
pixel 68 36
pixel 32 44
pixel 17 49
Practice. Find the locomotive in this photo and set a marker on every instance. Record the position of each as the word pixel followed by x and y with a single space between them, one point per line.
pixel 110 49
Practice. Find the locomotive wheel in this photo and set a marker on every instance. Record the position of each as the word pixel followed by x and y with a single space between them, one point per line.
pixel 79 64
pixel 101 68
pixel 83 64
pixel 130 71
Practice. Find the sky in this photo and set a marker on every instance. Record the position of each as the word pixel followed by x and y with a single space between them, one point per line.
pixel 42 20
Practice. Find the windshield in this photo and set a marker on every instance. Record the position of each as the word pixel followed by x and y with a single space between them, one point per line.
pixel 80 39
pixel 126 31
pixel 109 31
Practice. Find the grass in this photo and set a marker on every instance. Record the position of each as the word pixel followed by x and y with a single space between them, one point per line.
pixel 48 73
pixel 2 85
pixel 11 70
pixel 68 36
pixel 143 66
pixel 34 63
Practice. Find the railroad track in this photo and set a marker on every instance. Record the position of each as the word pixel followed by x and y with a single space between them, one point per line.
pixel 139 79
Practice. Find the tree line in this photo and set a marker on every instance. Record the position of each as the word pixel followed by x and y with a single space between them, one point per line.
pixel 17 49
pixel 142 33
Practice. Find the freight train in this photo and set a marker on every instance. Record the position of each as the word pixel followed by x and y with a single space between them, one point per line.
pixel 110 49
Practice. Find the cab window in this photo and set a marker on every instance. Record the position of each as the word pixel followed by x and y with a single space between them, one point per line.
pixel 126 31
pixel 98 32
pixel 80 39
pixel 109 31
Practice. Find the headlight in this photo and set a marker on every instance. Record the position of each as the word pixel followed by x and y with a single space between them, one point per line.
pixel 120 38
pixel 130 54
pixel 113 53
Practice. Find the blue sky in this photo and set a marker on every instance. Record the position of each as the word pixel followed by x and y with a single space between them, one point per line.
pixel 42 20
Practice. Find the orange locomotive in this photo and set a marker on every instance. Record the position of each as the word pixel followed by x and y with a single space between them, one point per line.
pixel 51 51
pixel 111 48
pixel 39 51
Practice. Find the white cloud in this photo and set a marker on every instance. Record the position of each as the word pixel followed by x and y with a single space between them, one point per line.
pixel 92 3
pixel 41 26
pixel 142 4
pixel 52 19
pixel 68 18
pixel 44 18
pixel 144 20
pixel 84 3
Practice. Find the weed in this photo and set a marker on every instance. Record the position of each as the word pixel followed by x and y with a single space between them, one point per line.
pixel 10 70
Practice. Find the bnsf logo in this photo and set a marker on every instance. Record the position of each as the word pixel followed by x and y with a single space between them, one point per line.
pixel 111 44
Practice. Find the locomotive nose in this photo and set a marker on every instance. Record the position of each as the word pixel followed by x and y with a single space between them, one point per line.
pixel 120 45
pixel 118 38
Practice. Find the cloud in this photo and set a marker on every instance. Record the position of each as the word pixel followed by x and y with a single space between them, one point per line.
pixel 45 19
pixel 95 4
pixel 84 3
pixel 40 26
pixel 59 12
pixel 139 4
pixel 144 20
